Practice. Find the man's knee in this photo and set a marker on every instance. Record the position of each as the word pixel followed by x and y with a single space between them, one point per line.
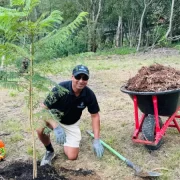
pixel 72 156
pixel 71 153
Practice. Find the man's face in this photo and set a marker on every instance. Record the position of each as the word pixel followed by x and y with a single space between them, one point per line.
pixel 79 81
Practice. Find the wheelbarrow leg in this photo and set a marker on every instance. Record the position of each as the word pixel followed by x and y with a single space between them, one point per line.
pixel 169 120
pixel 138 123
pixel 176 125
pixel 155 104
pixel 158 133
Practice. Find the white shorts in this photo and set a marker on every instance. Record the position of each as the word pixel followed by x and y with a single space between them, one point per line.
pixel 73 134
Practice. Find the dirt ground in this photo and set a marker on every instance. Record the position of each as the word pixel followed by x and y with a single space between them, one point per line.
pixel 108 74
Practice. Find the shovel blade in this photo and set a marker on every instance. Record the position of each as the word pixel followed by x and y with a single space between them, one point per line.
pixel 147 174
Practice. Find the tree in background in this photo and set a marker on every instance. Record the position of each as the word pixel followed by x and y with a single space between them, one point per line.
pixel 170 21
pixel 110 24
pixel 146 4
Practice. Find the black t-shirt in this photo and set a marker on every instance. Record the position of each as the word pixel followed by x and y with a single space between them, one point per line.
pixel 63 99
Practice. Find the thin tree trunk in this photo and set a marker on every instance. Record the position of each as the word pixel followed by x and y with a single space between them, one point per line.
pixel 31 111
pixel 170 20
pixel 140 27
pixel 92 44
pixel 2 61
pixel 118 32
pixel 141 23
pixel 147 39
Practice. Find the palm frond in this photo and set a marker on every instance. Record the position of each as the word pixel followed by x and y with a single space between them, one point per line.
pixel 16 50
pixel 6 12
pixel 17 2
pixel 51 21
pixel 9 84
pixel 30 5
pixel 8 22
pixel 42 83
pixel 3 10
pixel 62 34
pixel 6 75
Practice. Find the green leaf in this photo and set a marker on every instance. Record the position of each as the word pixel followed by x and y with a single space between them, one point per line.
pixel 17 2
pixel 9 84
pixel 14 50
pixel 61 35
pixel 42 83
pixel 30 5
pixel 51 21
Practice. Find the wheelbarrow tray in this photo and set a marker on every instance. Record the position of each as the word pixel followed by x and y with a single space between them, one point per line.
pixel 168 101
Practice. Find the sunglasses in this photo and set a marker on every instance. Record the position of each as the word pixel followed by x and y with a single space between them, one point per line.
pixel 80 76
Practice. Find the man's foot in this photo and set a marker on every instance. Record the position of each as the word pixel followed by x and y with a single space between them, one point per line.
pixel 47 158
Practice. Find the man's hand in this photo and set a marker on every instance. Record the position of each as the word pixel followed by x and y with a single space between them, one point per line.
pixel 60 135
pixel 98 148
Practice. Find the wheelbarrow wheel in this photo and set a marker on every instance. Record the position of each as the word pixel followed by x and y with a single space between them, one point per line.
pixel 148 131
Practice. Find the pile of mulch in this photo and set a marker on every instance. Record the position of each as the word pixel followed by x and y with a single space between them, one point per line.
pixel 154 78
pixel 24 171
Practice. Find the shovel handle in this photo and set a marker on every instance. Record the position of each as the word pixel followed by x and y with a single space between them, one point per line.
pixel 138 171
pixel 108 147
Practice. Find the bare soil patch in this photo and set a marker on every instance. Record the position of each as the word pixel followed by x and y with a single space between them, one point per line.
pixel 22 170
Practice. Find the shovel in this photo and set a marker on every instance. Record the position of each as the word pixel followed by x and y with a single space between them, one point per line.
pixel 138 171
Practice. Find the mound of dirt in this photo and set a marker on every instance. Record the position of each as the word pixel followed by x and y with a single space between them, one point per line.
pixel 154 78
pixel 24 171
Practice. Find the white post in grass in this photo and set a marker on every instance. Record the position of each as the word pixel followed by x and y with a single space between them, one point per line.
pixel 2 61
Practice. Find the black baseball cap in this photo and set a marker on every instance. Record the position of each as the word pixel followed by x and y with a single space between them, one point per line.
pixel 80 69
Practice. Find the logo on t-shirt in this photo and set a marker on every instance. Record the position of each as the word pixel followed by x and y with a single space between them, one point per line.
pixel 81 105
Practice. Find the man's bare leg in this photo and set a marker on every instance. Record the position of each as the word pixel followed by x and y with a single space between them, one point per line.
pixel 71 152
pixel 44 138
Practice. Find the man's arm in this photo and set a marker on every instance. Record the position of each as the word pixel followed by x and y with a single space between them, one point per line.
pixel 98 148
pixel 96 125
pixel 50 121
pixel 58 130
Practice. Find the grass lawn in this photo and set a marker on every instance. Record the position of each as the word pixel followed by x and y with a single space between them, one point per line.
pixel 107 74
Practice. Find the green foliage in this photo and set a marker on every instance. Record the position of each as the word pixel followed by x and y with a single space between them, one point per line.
pixel 29 150
pixel 59 42
pixel 157 34
pixel 45 24
pixel 75 44
pixel 13 93
pixel 41 83
pixel 13 125
pixel 120 51
pixel 16 137
pixel 18 31
pixel 164 42
pixel 17 2
pixel 177 46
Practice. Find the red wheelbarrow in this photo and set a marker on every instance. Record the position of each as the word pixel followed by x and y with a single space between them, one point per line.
pixel 152 105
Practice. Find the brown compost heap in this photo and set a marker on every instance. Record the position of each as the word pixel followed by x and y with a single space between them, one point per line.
pixel 154 78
